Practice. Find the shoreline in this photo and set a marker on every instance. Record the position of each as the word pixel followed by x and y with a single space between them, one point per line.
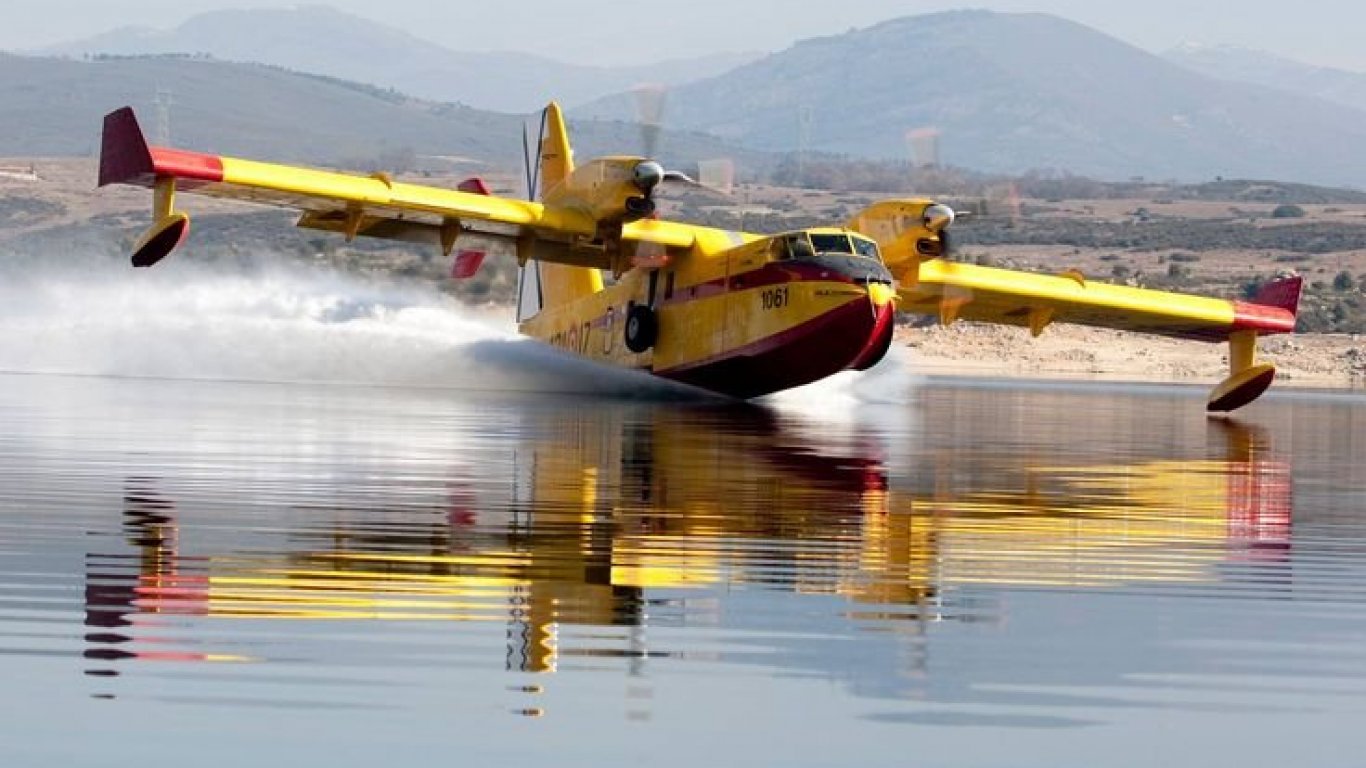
pixel 1080 353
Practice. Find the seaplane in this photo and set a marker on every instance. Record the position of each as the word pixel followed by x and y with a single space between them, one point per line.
pixel 737 313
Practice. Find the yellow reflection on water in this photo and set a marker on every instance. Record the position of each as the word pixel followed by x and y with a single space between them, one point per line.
pixel 611 508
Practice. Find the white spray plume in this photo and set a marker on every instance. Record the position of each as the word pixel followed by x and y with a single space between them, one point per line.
pixel 280 325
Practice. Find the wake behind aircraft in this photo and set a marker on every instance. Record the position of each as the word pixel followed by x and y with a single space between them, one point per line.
pixel 740 314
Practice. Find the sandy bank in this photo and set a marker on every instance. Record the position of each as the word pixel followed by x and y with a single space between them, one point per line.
pixel 1307 360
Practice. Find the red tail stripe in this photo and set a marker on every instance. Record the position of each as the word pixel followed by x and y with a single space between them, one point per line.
pixel 1261 318
pixel 193 166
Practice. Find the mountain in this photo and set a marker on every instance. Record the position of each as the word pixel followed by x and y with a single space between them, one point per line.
pixel 1262 68
pixel 1015 92
pixel 325 41
pixel 54 107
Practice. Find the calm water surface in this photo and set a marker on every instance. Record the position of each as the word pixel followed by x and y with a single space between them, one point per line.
pixel 220 574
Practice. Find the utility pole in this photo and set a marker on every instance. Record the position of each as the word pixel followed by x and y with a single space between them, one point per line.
pixel 163 101
pixel 805 116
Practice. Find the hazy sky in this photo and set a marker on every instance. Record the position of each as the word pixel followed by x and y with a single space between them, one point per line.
pixel 605 32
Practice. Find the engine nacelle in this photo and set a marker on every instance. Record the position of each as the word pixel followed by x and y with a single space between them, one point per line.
pixel 638 208
pixel 907 231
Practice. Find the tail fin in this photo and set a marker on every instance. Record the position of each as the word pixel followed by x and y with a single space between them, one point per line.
pixel 1281 294
pixel 560 283
pixel 557 157
pixel 124 155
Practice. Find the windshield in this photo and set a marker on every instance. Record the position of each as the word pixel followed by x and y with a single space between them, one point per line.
pixel 838 243
pixel 866 248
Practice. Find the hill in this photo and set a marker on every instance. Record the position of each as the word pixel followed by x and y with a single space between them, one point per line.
pixel 54 107
pixel 1262 68
pixel 325 41
pixel 1014 92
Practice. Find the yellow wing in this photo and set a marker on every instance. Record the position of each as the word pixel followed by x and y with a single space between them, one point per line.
pixel 371 206
pixel 970 292
pixel 964 291
pixel 912 236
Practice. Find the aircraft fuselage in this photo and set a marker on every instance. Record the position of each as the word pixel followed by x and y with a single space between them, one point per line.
pixel 743 321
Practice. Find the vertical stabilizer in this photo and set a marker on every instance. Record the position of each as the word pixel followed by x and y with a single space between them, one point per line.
pixel 557 157
pixel 560 284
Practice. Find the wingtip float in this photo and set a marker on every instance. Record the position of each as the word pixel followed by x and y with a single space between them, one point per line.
pixel 737 313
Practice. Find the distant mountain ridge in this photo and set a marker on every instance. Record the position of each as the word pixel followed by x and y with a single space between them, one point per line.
pixel 54 108
pixel 1000 93
pixel 322 40
pixel 1014 92
pixel 1262 68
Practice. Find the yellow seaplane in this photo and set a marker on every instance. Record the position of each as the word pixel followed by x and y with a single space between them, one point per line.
pixel 736 313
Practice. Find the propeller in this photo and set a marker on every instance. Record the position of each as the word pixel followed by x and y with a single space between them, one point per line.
pixel 937 218
pixel 650 100
pixel 532 170
pixel 715 176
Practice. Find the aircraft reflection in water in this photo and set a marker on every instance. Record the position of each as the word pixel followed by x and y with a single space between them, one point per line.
pixel 607 518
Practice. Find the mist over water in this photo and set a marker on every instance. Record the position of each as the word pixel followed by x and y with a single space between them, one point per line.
pixel 280 324
pixel 285 323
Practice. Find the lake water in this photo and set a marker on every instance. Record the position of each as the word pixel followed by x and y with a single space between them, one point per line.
pixel 218 573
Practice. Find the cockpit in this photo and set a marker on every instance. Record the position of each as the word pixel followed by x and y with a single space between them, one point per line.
pixel 828 252
pixel 809 243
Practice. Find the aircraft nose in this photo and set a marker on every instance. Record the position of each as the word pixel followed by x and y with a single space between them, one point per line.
pixel 881 294
pixel 855 269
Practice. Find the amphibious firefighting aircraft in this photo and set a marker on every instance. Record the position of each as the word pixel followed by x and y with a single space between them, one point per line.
pixel 740 314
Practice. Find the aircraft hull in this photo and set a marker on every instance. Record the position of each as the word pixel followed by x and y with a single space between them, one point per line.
pixel 848 336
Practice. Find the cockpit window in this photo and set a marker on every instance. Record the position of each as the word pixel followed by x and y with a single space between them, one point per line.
pixel 798 247
pixel 866 248
pixel 831 243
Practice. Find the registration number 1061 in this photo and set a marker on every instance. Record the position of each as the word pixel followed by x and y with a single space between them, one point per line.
pixel 774 298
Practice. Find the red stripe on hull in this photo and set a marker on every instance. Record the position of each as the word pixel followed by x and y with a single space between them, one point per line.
pixel 879 341
pixel 809 352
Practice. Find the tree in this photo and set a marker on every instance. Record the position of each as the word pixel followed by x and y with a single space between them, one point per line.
pixel 1343 282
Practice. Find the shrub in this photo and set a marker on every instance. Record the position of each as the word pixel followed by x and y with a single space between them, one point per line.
pixel 1287 211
